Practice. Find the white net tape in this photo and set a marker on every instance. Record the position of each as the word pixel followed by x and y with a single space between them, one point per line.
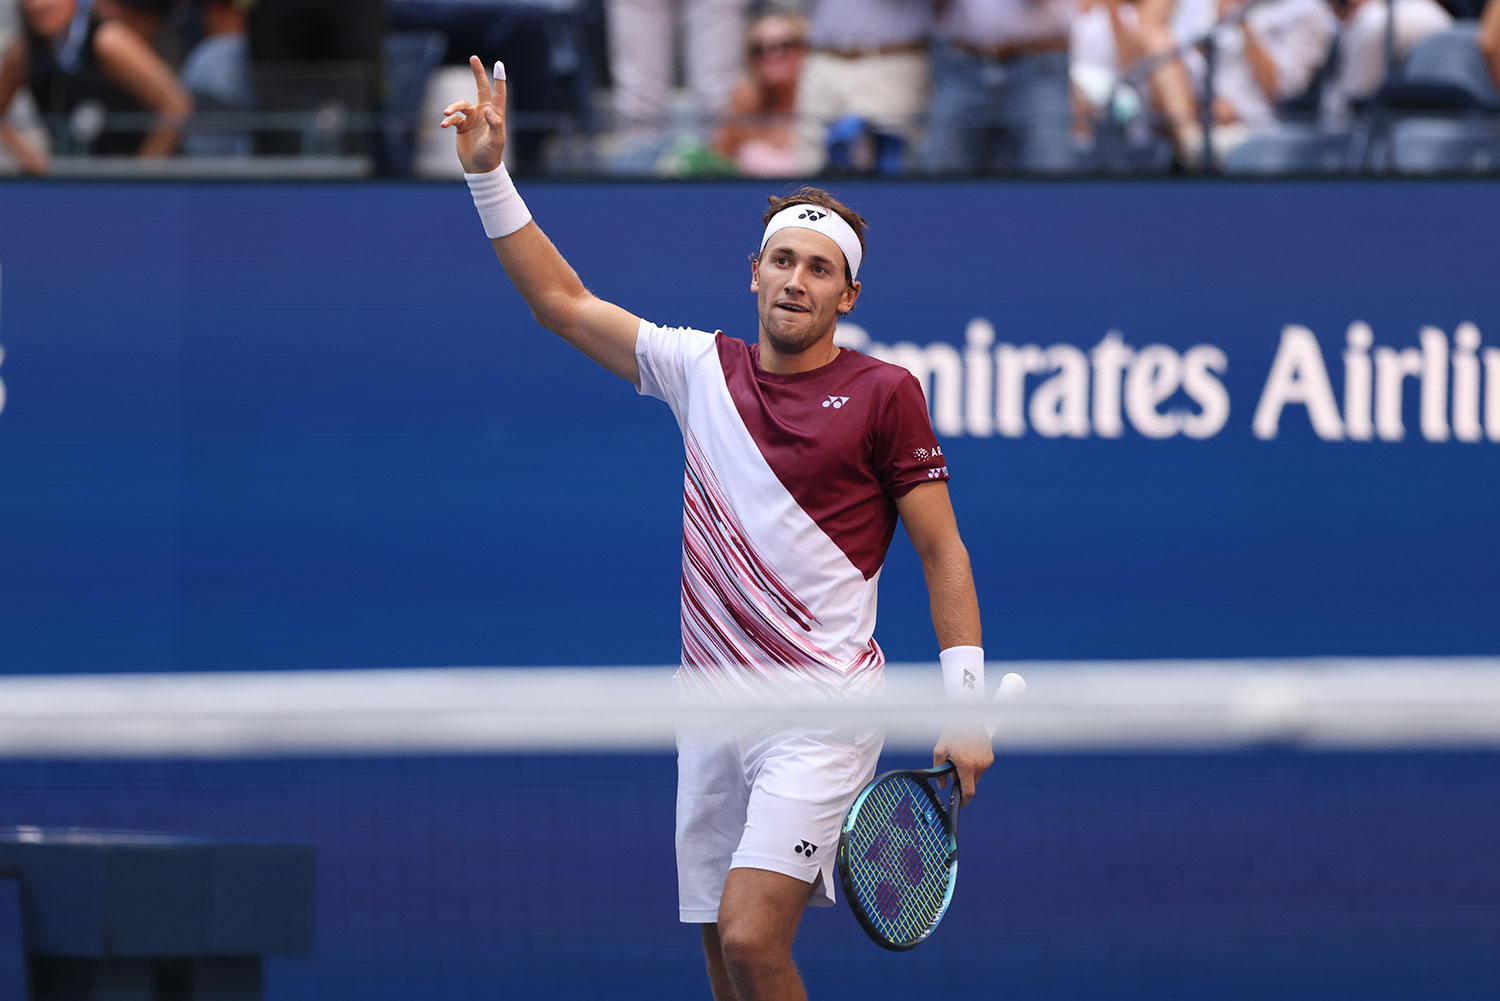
pixel 1317 703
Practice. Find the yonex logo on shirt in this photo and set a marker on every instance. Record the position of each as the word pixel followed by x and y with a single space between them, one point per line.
pixel 835 401
pixel 805 848
pixel 938 473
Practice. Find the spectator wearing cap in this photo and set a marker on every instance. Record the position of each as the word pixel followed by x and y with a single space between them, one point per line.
pixel 1001 95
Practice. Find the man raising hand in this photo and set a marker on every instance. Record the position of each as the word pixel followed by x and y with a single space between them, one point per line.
pixel 800 458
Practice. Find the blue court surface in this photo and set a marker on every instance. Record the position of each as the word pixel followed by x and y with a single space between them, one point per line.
pixel 1253 875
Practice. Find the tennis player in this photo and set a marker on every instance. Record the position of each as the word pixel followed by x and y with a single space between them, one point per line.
pixel 800 456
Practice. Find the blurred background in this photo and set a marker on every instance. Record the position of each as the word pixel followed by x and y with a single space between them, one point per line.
pixel 723 88
pixel 338 602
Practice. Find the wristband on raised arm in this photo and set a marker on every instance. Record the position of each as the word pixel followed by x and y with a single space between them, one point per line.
pixel 499 203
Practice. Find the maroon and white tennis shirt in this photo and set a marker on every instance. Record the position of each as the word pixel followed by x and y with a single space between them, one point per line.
pixel 788 506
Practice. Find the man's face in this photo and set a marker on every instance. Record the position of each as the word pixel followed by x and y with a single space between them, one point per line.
pixel 800 289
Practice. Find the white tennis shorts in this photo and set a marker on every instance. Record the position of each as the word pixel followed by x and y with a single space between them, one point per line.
pixel 765 801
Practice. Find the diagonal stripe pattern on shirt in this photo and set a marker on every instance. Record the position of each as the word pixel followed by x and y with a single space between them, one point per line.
pixel 741 624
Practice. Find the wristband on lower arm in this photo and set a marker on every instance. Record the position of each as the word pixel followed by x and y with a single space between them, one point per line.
pixel 499 203
pixel 963 672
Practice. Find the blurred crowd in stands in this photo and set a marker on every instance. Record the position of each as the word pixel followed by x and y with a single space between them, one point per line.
pixel 793 88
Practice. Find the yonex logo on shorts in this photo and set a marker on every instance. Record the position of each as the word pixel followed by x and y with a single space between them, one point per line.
pixel 805 848
pixel 835 401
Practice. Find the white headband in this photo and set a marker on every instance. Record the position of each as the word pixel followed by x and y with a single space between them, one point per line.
pixel 819 220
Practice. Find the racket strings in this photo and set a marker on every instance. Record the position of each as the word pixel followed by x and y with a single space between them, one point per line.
pixel 899 859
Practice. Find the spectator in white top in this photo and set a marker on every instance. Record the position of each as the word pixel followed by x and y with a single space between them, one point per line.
pixel 1265 53
pixel 1105 41
pixel 1001 97
pixel 868 58
pixel 1361 68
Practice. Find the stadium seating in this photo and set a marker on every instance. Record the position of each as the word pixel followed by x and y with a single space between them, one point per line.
pixel 1445 146
pixel 1444 108
pixel 1452 58
pixel 1292 148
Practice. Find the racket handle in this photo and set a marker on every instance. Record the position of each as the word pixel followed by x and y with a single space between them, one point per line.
pixel 1012 686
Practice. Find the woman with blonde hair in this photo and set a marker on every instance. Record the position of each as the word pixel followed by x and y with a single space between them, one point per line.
pixel 757 133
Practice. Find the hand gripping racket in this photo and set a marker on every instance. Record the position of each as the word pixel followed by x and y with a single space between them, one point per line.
pixel 898 851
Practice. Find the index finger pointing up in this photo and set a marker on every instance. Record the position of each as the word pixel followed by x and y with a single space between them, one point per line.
pixel 481 82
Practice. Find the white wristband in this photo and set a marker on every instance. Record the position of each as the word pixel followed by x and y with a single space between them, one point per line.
pixel 963 672
pixel 499 203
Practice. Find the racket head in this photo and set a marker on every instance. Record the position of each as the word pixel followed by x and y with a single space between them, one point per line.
pixel 898 855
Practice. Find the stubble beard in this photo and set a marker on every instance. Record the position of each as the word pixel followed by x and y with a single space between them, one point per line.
pixel 795 343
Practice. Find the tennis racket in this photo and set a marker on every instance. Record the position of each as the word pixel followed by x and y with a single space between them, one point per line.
pixel 898 851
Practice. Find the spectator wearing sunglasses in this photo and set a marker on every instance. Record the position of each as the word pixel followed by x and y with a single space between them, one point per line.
pixel 758 134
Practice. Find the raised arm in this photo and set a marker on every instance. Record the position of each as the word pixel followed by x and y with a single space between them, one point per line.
pixel 927 514
pixel 136 67
pixel 601 330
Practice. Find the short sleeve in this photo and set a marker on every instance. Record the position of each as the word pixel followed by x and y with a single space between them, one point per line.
pixel 666 356
pixel 906 451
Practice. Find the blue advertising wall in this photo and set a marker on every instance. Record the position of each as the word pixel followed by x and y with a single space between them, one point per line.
pixel 257 426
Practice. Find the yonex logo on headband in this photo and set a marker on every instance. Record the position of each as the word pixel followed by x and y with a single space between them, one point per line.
pixel 819 220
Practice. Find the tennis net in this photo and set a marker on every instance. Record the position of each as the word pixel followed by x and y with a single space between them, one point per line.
pixel 1299 830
